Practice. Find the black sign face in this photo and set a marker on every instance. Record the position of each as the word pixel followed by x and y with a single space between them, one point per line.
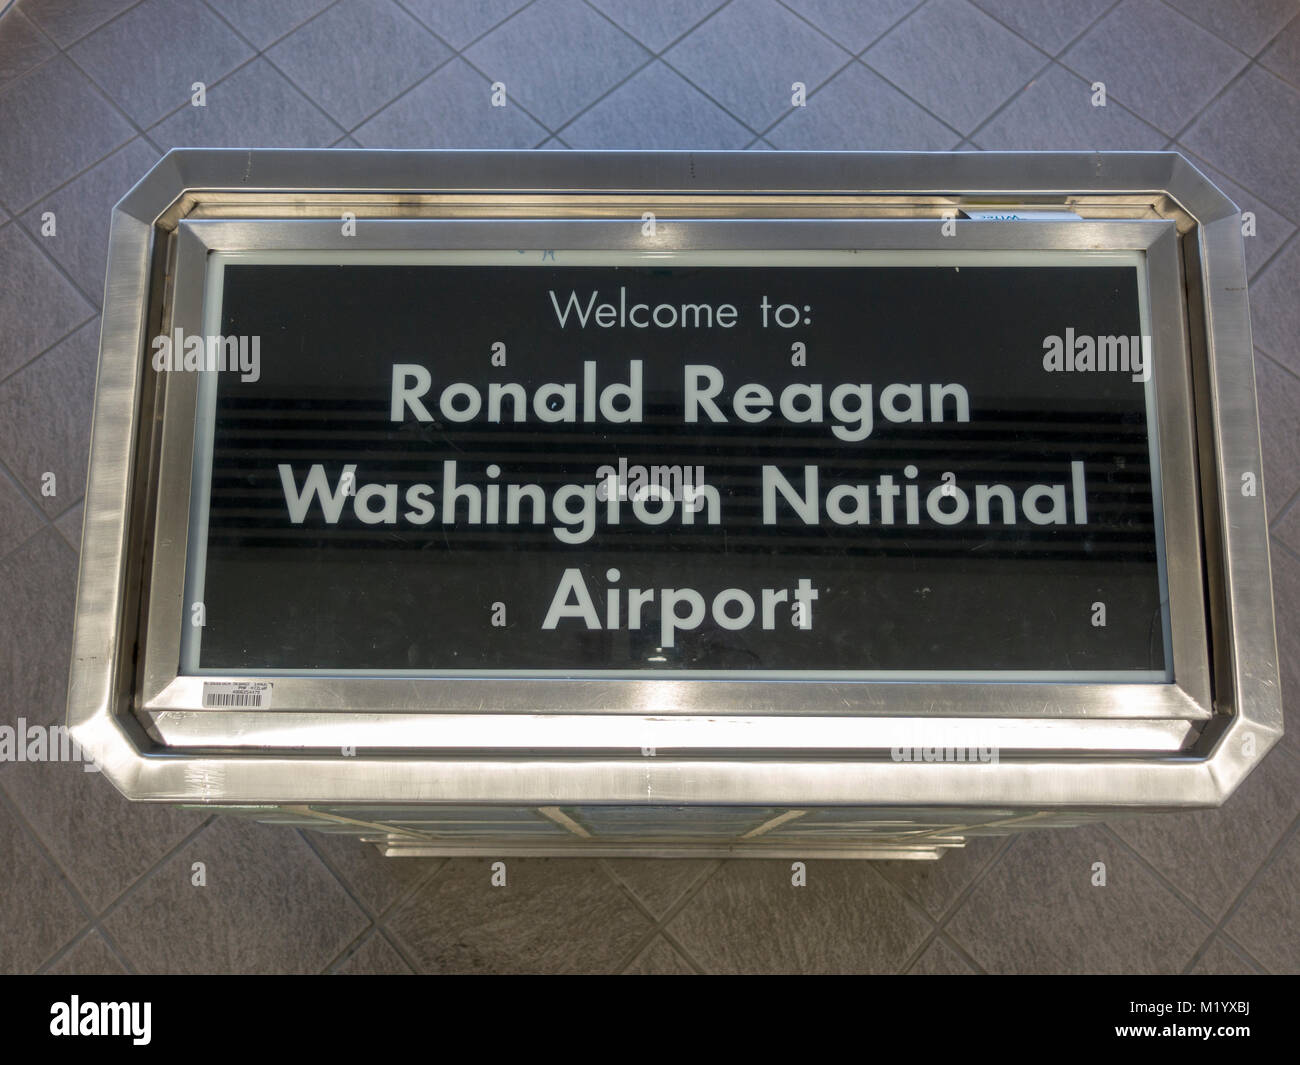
pixel 929 471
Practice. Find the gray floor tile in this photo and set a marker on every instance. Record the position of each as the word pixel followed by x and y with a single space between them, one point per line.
pixel 1209 855
pixel 459 22
pixel 1050 24
pixel 37 304
pixel 103 842
pixel 1155 61
pixel 22 45
pixel 149 81
pixel 1287 528
pixel 749 54
pixel 940 959
pixel 375 957
pixel 859 110
pixel 1221 960
pixel 1055 112
pixel 552 917
pixel 376 881
pixel 53 124
pixel 256 107
pixel 69 526
pixel 847 919
pixel 1271 229
pixel 347 82
pixel 934 886
pixel 40 914
pixel 1279 428
pixel 1265 922
pixel 1038 912
pixel 270 905
pixel 18 518
pixel 38 584
pixel 263 24
pixel 1249 24
pixel 656 108
pixel 1274 311
pixel 956 60
pixel 451 109
pixel 1286 604
pixel 852 23
pixel 91 956
pixel 68 20
pixel 532 52
pixel 83 210
pixel 657 25
pixel 1249 134
pixel 659 959
pixel 1283 56
pixel 45 420
pixel 658 884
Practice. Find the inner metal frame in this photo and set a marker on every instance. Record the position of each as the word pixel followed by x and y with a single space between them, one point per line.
pixel 583 741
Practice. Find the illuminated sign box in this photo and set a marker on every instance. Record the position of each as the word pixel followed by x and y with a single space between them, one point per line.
pixel 747 493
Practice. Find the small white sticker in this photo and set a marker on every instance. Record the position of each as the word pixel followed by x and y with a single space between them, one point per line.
pixel 237 694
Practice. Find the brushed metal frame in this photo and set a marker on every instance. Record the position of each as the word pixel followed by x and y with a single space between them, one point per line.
pixel 1101 746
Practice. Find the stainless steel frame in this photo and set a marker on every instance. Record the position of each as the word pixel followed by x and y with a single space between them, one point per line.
pixel 577 744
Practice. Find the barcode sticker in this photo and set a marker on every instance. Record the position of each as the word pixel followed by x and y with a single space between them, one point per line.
pixel 237 694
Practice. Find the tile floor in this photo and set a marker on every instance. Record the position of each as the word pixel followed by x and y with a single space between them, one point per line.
pixel 90 97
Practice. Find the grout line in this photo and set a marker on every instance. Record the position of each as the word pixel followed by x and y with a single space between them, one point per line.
pixel 288 33
pixel 49 522
pixel 6 378
pixel 1284 513
pixel 377 918
pixel 1010 100
pixel 63 185
pixel 112 102
pixel 957 904
pixel 861 57
pixel 1220 928
pixel 1165 882
pixel 67 948
pixel 1285 548
pixel 1070 42
pixel 1258 275
pixel 167 856
pixel 1233 946
pixel 608 92
pixel 1206 29
pixel 1201 162
pixel 1227 87
pixel 1219 37
pixel 363 937
pixel 837 43
pixel 472 41
pixel 89 33
pixel 659 922
pixel 792 111
pixel 1277 363
pixel 78 899
pixel 455 53
pixel 1284 78
pixel 909 903
pixel 229 75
